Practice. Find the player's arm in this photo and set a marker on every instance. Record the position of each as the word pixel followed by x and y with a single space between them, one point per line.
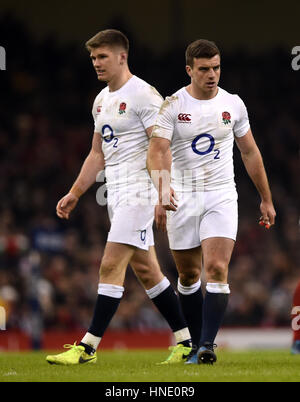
pixel 254 165
pixel 93 163
pixel 159 160
pixel 149 131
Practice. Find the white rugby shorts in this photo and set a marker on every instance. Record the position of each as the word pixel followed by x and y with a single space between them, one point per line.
pixel 130 224
pixel 201 215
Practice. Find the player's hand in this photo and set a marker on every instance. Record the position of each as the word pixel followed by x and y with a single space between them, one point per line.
pixel 268 214
pixel 66 205
pixel 160 216
pixel 169 201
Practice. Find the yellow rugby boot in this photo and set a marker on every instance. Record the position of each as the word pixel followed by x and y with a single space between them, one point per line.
pixel 75 355
pixel 179 354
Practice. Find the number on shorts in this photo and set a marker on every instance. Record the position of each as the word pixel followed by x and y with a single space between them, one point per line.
pixel 143 235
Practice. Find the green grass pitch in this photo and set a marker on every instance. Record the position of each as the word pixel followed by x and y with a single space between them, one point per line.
pixel 140 366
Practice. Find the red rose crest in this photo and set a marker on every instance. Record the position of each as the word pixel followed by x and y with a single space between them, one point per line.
pixel 226 117
pixel 122 108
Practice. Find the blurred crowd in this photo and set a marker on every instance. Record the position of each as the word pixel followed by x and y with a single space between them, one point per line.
pixel 50 267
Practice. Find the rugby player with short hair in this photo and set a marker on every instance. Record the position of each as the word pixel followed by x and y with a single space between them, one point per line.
pixel 124 114
pixel 199 124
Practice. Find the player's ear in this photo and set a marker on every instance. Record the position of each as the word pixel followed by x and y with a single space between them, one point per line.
pixel 188 69
pixel 123 58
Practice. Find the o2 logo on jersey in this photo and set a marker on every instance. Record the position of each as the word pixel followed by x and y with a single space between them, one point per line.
pixel 108 135
pixel 210 147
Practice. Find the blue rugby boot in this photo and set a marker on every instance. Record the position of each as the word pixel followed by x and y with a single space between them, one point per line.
pixel 206 354
pixel 192 358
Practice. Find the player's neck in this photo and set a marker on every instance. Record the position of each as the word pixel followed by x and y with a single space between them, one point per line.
pixel 197 93
pixel 118 81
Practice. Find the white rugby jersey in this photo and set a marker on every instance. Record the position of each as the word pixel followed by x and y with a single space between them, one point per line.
pixel 202 136
pixel 121 118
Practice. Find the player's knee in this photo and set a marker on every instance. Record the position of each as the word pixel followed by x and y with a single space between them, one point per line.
pixel 189 277
pixel 216 271
pixel 145 273
pixel 107 267
pixel 142 270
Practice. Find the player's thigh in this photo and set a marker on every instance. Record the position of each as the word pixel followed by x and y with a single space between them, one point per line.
pixel 146 267
pixel 183 224
pixel 131 224
pixel 114 262
pixel 221 215
pixel 188 263
pixel 217 253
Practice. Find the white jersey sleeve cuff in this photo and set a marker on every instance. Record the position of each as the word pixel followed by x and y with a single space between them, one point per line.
pixel 159 132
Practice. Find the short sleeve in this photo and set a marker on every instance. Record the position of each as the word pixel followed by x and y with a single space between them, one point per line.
pixel 149 102
pixel 94 115
pixel 96 110
pixel 164 125
pixel 242 125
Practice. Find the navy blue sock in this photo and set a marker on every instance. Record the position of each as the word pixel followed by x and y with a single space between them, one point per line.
pixel 192 309
pixel 214 307
pixel 167 302
pixel 105 309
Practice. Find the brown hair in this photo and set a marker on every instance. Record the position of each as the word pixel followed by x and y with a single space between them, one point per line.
pixel 201 48
pixel 109 37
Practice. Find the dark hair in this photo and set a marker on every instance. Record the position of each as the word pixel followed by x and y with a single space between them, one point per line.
pixel 200 48
pixel 109 37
